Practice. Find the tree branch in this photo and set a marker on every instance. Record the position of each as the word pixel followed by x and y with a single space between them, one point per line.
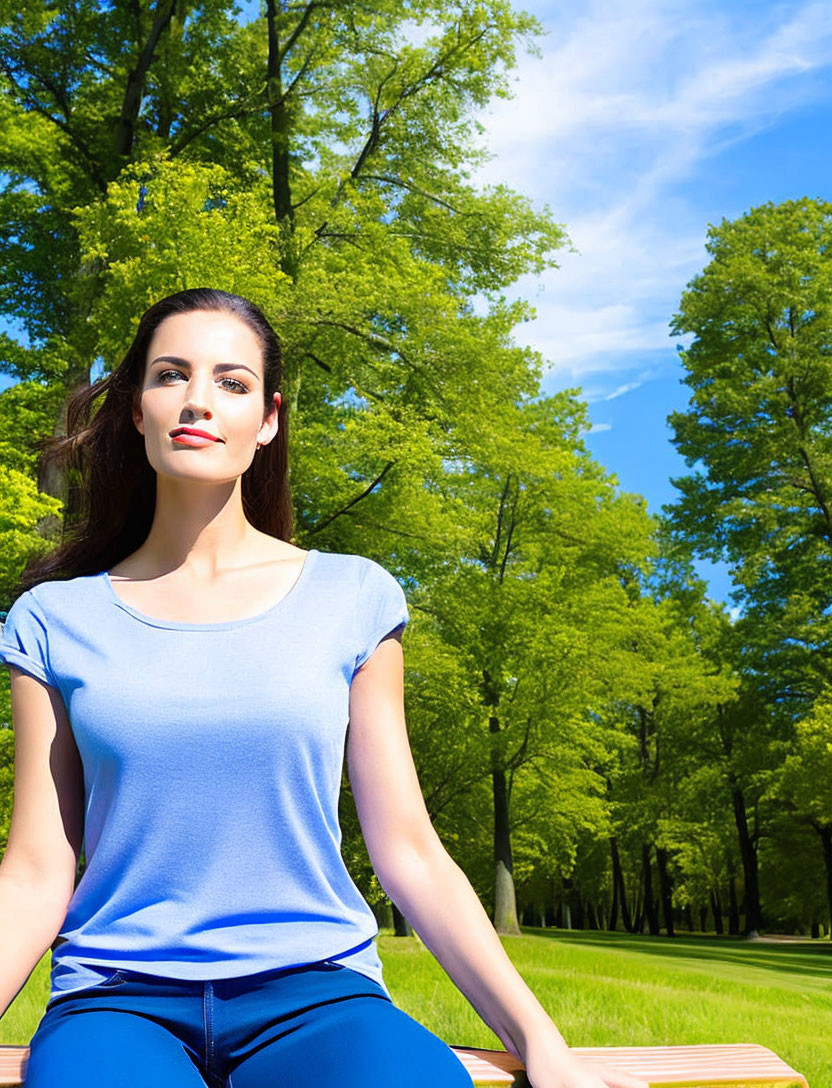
pixel 380 117
pixel 511 527
pixel 257 101
pixel 377 341
pixel 301 26
pixel 367 491
pixel 131 103
pixel 398 531
pixel 400 184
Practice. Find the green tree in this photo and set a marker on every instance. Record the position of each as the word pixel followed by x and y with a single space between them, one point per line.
pixel 372 205
pixel 663 689
pixel 757 429
pixel 147 146
pixel 23 510
pixel 758 439
pixel 807 780
pixel 535 604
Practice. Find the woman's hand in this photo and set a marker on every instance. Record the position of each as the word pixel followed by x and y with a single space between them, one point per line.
pixel 555 1068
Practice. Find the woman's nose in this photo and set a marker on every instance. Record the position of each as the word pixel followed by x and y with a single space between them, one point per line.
pixel 197 401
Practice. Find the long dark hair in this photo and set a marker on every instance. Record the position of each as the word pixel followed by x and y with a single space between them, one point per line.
pixel 104 457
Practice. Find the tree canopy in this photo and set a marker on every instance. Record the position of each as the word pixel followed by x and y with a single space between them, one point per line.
pixel 594 739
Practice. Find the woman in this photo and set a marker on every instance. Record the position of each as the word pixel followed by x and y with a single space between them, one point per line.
pixel 209 669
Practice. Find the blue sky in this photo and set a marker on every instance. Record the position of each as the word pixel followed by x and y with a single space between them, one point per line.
pixel 642 123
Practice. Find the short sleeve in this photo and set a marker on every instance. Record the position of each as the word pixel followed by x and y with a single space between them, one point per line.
pixel 382 607
pixel 23 638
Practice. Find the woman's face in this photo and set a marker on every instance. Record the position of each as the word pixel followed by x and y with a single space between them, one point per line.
pixel 204 370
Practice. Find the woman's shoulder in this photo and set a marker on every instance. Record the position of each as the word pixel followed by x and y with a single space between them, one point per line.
pixel 371 587
pixel 358 567
pixel 41 621
pixel 55 593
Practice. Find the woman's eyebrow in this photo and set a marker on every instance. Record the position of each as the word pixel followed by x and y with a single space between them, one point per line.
pixel 217 369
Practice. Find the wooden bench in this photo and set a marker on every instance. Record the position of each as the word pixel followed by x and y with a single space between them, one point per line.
pixel 741 1065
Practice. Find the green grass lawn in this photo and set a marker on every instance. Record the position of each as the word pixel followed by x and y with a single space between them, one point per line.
pixel 613 989
pixel 605 989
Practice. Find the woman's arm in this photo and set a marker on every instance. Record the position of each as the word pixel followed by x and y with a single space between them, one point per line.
pixel 37 873
pixel 431 890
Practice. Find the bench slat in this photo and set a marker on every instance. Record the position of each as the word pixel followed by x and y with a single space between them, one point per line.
pixel 741 1065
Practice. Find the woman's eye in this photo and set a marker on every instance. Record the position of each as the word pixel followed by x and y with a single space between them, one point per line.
pixel 163 377
pixel 239 385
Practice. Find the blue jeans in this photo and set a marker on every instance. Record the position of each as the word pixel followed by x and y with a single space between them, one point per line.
pixel 318 1026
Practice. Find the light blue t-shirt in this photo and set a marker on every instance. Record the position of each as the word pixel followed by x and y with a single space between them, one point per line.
pixel 212 756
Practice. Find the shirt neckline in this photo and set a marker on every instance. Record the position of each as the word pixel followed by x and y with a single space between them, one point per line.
pixel 224 625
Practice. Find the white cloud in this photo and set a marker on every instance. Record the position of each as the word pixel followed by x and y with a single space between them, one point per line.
pixel 597 427
pixel 629 98
pixel 622 389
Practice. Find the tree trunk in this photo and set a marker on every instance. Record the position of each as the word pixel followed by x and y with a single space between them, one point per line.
pixel 826 839
pixel 748 853
pixel 384 914
pixel 716 908
pixel 505 899
pixel 649 902
pixel 579 912
pixel 550 917
pixel 280 127
pixel 401 926
pixel 618 884
pixel 505 910
pixel 613 921
pixel 733 909
pixel 591 916
pixel 572 906
pixel 666 890
pixel 638 905
pixel 125 129
pixel 278 119
pixel 56 481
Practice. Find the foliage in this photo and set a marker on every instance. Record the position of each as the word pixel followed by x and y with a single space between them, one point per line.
pixel 757 429
pixel 559 657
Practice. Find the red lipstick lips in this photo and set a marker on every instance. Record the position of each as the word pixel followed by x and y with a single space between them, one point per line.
pixel 194 431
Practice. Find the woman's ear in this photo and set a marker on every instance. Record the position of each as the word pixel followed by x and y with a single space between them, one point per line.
pixel 136 412
pixel 268 428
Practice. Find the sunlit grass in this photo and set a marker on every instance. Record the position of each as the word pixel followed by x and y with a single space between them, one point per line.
pixel 22 1016
pixel 620 990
